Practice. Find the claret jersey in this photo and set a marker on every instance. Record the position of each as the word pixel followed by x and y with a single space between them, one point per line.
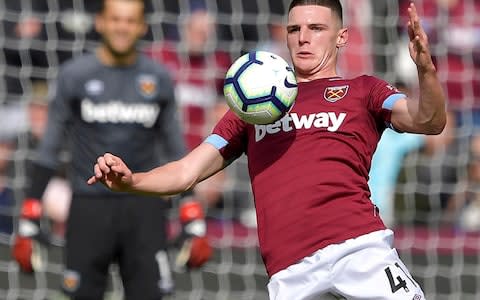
pixel 309 170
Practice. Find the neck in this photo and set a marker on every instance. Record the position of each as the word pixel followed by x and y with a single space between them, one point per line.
pixel 316 75
pixel 107 57
pixel 326 69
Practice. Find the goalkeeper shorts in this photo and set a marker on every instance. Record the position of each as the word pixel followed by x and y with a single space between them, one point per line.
pixel 127 231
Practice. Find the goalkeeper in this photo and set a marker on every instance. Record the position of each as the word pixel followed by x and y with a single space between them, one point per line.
pixel 319 232
pixel 116 100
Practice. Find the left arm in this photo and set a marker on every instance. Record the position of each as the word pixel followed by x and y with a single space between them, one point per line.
pixel 427 114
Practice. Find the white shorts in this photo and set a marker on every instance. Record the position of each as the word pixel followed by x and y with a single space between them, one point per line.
pixel 366 267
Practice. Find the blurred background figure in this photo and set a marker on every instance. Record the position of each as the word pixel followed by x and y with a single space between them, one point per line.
pixel 37 112
pixel 387 163
pixel 7 196
pixel 22 129
pixel 23 52
pixel 277 38
pixel 30 53
pixel 354 61
pixel 198 68
pixel 465 208
pixel 455 35
pixel 112 99
pixel 428 179
pixel 441 163
pixel 57 195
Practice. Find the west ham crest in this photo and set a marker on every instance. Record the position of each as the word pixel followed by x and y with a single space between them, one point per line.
pixel 71 280
pixel 147 85
pixel 335 93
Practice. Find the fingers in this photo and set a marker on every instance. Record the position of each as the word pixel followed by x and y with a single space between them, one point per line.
pixel 104 165
pixel 413 21
pixel 92 180
pixel 112 172
pixel 415 29
pixel 115 164
pixel 419 47
pixel 111 159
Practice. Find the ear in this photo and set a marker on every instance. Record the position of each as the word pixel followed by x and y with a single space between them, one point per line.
pixel 342 37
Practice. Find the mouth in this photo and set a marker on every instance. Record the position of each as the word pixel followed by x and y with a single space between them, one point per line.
pixel 122 41
pixel 303 54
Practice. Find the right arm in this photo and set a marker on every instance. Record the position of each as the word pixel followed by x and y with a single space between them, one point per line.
pixel 170 179
pixel 46 160
pixel 30 239
pixel 427 114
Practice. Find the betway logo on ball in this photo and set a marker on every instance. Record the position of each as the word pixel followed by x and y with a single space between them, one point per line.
pixel 120 112
pixel 329 120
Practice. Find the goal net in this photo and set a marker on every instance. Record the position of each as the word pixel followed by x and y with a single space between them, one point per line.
pixel 425 188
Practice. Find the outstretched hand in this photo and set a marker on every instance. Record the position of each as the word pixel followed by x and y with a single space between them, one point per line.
pixel 418 45
pixel 112 172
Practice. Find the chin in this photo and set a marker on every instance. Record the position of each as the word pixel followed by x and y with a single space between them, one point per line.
pixel 119 49
pixel 122 51
pixel 122 48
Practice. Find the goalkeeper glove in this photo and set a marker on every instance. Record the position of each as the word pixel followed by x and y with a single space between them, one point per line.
pixel 195 249
pixel 29 246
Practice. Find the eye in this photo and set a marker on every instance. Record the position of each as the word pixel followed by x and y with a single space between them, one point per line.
pixel 292 29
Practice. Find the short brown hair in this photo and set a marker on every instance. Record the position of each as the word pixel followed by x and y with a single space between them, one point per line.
pixel 102 7
pixel 334 5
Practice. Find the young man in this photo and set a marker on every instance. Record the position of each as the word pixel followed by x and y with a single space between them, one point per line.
pixel 120 101
pixel 319 232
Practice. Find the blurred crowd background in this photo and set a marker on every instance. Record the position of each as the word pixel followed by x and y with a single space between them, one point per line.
pixel 427 188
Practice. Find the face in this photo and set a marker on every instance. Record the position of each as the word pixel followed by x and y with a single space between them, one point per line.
pixel 38 116
pixel 198 31
pixel 314 35
pixel 121 24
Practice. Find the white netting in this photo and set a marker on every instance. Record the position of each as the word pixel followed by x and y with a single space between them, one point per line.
pixel 436 236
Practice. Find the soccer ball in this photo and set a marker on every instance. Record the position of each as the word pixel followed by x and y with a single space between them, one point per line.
pixel 260 87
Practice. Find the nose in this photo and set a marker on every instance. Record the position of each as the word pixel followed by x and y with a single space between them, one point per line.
pixel 123 25
pixel 304 36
